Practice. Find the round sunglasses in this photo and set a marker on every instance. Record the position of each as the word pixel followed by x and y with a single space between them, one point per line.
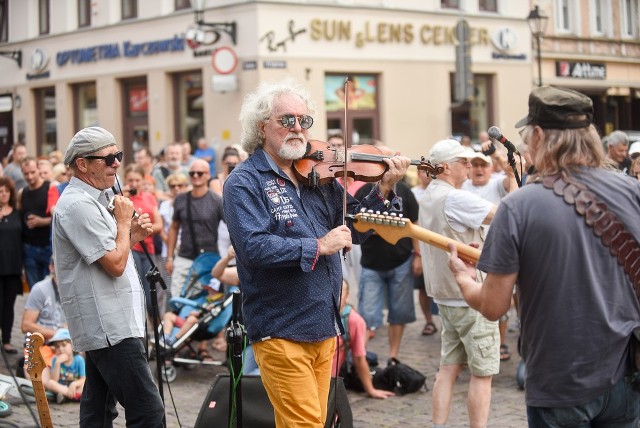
pixel 108 159
pixel 289 121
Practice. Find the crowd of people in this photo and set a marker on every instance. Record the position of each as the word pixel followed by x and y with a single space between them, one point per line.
pixel 287 247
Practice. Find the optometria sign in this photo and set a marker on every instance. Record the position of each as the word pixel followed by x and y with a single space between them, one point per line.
pixel 114 50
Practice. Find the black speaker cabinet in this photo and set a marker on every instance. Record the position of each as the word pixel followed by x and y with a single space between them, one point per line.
pixel 257 411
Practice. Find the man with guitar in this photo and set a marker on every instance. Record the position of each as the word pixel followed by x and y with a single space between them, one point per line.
pixel 100 291
pixel 578 302
pixel 468 338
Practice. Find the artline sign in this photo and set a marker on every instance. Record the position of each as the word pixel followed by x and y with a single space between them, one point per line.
pixel 113 51
pixel 581 70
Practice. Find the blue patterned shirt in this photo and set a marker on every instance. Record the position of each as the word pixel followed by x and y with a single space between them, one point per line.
pixel 289 291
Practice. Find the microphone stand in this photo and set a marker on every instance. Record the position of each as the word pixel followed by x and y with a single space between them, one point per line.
pixel 512 162
pixel 235 342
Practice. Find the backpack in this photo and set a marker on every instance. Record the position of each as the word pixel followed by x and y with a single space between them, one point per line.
pixel 399 378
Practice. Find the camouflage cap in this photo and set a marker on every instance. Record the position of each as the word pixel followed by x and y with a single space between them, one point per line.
pixel 558 108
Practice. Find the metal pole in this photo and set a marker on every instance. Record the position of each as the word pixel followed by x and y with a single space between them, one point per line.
pixel 539 62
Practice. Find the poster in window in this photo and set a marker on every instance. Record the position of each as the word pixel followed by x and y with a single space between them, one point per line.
pixel 138 100
pixel 362 93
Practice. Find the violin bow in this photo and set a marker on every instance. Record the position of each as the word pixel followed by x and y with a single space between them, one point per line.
pixel 346 144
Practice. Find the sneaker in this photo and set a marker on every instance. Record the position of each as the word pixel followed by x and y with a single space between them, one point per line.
pixel 167 342
pixel 61 398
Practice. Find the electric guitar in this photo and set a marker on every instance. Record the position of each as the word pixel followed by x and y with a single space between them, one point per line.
pixel 392 228
pixel 35 364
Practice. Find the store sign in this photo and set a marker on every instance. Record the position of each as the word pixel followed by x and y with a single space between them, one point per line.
pixel 581 70
pixel 39 60
pixel 274 64
pixel 114 50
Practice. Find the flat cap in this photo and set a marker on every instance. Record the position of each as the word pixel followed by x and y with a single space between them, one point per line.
pixel 558 108
pixel 86 141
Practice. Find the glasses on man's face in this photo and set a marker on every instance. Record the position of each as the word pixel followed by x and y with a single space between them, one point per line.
pixel 197 173
pixel 108 159
pixel 289 121
pixel 462 161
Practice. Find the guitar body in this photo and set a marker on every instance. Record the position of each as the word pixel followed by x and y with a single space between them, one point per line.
pixel 35 366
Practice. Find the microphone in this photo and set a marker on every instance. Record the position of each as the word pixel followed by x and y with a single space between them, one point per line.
pixel 495 133
pixel 111 205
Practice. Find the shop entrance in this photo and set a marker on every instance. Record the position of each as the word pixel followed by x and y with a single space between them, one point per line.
pixel 135 126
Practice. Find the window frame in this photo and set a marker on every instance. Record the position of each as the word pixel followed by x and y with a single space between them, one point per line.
pixel 571 17
pixel 482 7
pixel 629 25
pixel 181 4
pixel 447 4
pixel 133 6
pixel 44 22
pixel 4 21
pixel 84 21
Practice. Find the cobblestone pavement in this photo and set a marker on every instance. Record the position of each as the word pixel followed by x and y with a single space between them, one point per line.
pixel 412 410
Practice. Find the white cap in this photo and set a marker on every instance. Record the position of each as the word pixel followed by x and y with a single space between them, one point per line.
pixel 446 150
pixel 634 148
pixel 487 159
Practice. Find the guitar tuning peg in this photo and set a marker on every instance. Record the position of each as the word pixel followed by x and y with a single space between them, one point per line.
pixel 363 210
pixel 378 212
pixel 369 211
pixel 385 213
pixel 400 215
pixel 393 215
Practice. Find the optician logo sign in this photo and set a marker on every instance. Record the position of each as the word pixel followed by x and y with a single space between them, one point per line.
pixel 504 39
pixel 39 60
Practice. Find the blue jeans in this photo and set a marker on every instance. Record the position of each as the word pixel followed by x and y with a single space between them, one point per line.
pixel 395 287
pixel 36 262
pixel 619 407
pixel 120 372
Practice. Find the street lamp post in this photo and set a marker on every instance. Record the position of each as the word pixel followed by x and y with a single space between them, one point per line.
pixel 538 25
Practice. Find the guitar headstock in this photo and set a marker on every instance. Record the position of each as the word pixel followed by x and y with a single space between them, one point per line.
pixel 390 227
pixel 34 362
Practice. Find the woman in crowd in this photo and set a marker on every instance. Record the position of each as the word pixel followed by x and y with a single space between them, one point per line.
pixel 10 259
pixel 178 183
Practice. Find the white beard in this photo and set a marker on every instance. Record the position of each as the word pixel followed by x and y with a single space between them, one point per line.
pixel 293 150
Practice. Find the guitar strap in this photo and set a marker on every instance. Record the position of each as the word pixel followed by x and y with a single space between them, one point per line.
pixel 604 223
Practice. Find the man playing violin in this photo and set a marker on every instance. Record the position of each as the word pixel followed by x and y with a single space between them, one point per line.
pixel 288 239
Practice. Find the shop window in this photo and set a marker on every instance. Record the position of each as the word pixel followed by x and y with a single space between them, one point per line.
pixel 363 114
pixel 43 16
pixel 4 20
pixel 474 116
pixel 135 126
pixel 129 9
pixel 85 105
pixel 629 18
pixel 84 13
pixel 488 5
pixel 189 114
pixel 46 127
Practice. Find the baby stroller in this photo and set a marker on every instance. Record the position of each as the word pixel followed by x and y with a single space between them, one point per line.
pixel 214 316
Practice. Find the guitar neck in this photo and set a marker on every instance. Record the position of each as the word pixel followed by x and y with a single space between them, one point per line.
pixel 42 404
pixel 465 252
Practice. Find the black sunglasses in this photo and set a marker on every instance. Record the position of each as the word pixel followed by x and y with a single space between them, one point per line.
pixel 289 121
pixel 108 159
pixel 197 173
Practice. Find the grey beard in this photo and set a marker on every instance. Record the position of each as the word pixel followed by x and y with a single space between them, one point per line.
pixel 292 152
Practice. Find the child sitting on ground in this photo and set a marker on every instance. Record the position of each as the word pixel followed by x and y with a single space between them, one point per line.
pixel 67 375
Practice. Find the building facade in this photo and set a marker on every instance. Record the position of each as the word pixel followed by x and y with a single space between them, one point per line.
pixel 145 70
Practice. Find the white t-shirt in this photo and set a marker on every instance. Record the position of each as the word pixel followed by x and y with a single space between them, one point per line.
pixel 493 191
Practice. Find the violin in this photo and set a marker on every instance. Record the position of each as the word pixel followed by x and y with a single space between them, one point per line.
pixel 322 163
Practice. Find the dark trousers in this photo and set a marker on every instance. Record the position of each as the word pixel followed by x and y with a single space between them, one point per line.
pixel 121 373
pixel 10 287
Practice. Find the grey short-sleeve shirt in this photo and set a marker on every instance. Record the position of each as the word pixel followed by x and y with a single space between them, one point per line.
pixel 100 310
